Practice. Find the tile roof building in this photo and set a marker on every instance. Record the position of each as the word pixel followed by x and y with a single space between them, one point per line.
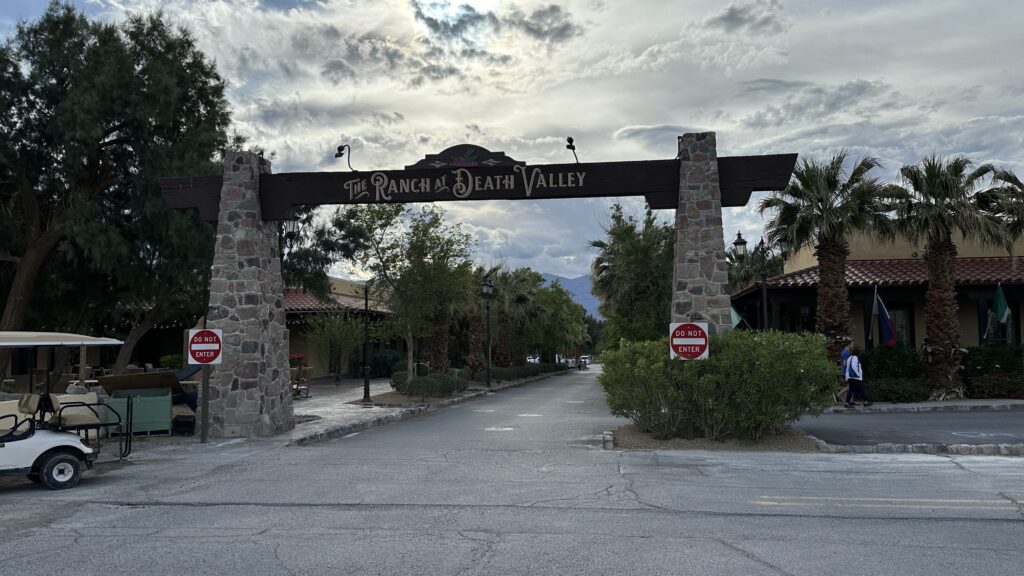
pixel 898 272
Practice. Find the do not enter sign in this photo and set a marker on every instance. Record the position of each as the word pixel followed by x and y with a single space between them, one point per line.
pixel 204 346
pixel 688 340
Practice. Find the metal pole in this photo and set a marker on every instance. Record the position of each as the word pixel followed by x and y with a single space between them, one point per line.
pixel 488 342
pixel 764 300
pixel 366 343
pixel 206 404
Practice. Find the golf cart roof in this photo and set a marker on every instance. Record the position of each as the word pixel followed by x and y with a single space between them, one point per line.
pixel 31 339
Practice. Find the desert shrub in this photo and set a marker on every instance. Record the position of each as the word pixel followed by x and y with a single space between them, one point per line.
pixel 753 383
pixel 171 361
pixel 991 359
pixel 896 389
pixel 891 362
pixel 996 385
pixel 383 363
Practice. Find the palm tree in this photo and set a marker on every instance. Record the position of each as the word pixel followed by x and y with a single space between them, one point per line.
pixel 746 269
pixel 943 197
pixel 514 291
pixel 819 208
pixel 1010 202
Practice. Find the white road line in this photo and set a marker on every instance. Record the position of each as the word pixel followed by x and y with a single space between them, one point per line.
pixel 574 401
pixel 529 415
pixel 350 435
pixel 499 429
pixel 483 410
pixel 881 499
pixel 235 441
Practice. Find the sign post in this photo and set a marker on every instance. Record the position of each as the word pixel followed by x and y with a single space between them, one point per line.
pixel 204 347
pixel 688 340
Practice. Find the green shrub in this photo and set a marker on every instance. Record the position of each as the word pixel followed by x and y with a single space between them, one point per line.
pixel 753 383
pixel 171 361
pixel 639 382
pixel 996 385
pixel 398 381
pixel 891 362
pixel 434 386
pixel 992 358
pixel 383 363
pixel 896 389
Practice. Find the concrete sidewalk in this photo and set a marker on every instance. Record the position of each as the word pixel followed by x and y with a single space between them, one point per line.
pixel 944 406
pixel 327 413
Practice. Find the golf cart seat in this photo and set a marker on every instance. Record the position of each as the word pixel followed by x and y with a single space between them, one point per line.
pixel 75 411
pixel 23 409
pixel 13 428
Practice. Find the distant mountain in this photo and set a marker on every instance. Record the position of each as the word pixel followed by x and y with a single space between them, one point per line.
pixel 579 288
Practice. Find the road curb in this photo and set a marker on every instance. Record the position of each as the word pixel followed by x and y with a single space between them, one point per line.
pixel 935 448
pixel 888 448
pixel 883 409
pixel 408 412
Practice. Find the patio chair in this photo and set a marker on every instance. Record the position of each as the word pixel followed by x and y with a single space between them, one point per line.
pixel 300 381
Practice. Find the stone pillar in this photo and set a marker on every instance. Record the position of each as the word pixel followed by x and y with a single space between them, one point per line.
pixel 250 392
pixel 701 274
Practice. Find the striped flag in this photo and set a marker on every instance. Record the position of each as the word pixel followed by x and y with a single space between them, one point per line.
pixel 1002 310
pixel 885 323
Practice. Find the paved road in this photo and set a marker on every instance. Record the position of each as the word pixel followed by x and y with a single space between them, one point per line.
pixel 976 427
pixel 515 483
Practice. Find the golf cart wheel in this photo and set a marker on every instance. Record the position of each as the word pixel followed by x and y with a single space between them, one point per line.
pixel 61 470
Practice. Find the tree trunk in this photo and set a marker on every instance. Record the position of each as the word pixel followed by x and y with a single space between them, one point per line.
pixel 833 314
pixel 410 361
pixel 476 361
pixel 439 346
pixel 20 294
pixel 124 355
pixel 941 349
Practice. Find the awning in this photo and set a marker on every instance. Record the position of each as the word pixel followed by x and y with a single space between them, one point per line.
pixel 32 339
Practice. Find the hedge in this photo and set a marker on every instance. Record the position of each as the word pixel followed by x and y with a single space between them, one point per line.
pixel 753 383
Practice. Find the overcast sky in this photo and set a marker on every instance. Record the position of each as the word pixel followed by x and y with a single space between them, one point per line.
pixel 398 79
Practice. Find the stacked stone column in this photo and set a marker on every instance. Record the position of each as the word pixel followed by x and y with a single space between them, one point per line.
pixel 701 273
pixel 250 392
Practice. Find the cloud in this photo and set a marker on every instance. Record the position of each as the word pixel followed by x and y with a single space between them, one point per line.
pixel 757 17
pixel 662 137
pixel 805 102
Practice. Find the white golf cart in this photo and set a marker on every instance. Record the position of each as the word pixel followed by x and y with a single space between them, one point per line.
pixel 41 434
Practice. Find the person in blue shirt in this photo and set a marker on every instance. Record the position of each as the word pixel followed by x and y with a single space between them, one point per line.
pixel 855 379
pixel 843 357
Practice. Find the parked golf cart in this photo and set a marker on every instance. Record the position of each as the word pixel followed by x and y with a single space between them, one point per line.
pixel 40 434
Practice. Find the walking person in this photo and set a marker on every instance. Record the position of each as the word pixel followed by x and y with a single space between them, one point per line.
pixel 855 379
pixel 844 356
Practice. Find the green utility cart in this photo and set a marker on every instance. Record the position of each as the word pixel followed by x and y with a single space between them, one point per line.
pixel 151 409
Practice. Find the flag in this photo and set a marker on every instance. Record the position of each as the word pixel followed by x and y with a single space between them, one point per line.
pixel 1001 308
pixel 885 323
pixel 736 318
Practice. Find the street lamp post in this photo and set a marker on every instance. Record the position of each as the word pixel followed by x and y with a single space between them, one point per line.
pixel 763 256
pixel 366 342
pixel 487 291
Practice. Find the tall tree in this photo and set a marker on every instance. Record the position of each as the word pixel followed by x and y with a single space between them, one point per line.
pixel 92 114
pixel 942 198
pixel 422 268
pixel 312 244
pixel 632 276
pixel 821 206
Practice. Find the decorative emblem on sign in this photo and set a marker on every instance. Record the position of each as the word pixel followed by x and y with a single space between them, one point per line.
pixel 464 156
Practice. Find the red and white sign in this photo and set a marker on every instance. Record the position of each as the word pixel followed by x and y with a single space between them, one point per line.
pixel 688 340
pixel 204 346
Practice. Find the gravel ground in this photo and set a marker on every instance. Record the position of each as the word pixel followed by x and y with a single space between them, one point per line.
pixel 789 440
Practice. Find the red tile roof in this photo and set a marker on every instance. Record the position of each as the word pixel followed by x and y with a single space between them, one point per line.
pixel 298 300
pixel 911 272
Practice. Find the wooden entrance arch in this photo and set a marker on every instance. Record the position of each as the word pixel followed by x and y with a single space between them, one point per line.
pixel 249 392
